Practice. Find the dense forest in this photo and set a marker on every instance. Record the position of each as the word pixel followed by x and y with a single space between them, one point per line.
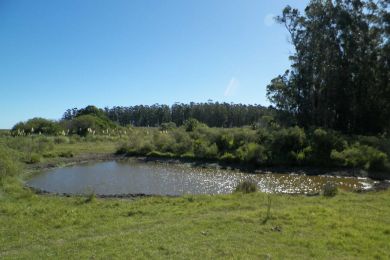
pixel 340 72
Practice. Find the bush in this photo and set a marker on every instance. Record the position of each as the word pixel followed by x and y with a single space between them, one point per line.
pixel 82 125
pixel 191 124
pixel 360 156
pixel 252 153
pixel 204 150
pixel 67 154
pixel 37 125
pixel 61 140
pixel 322 144
pixel 35 158
pixel 330 189
pixel 167 126
pixel 246 187
pixel 225 142
pixel 286 144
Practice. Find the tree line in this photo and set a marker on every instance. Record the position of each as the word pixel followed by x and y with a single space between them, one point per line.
pixel 213 114
pixel 340 72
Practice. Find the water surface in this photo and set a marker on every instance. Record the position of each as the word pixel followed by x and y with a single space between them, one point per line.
pixel 133 177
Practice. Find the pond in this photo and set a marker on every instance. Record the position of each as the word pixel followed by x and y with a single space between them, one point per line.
pixel 152 178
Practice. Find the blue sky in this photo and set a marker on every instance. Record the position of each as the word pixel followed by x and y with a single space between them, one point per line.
pixel 56 55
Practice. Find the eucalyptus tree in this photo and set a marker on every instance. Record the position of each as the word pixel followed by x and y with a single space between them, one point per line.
pixel 339 76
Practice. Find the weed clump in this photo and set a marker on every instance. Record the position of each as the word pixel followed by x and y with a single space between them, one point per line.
pixel 91 197
pixel 35 158
pixel 246 187
pixel 330 189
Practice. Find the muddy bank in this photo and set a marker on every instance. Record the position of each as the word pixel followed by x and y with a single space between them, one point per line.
pixel 117 196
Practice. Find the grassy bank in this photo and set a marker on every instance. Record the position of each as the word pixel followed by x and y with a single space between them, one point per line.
pixel 231 226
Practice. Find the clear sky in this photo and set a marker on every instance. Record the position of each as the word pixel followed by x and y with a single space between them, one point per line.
pixel 56 55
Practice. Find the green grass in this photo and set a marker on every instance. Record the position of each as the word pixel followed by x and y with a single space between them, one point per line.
pixel 347 226
pixel 229 226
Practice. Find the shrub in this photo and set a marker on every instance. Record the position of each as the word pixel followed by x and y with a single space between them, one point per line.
pixel 330 189
pixel 61 140
pixel 67 154
pixel 203 149
pixel 252 153
pixel 91 197
pixel 122 149
pixel 35 158
pixel 225 142
pixel 42 144
pixel 167 126
pixel 360 156
pixel 163 142
pixel 286 144
pixel 146 148
pixel 37 125
pixel 246 187
pixel 322 144
pixel 49 155
pixel 191 124
pixel 82 125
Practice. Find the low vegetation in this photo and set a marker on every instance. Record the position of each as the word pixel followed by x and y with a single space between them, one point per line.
pixel 246 187
pixel 253 146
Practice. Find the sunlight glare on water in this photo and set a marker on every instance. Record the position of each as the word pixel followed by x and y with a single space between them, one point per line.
pixel 132 177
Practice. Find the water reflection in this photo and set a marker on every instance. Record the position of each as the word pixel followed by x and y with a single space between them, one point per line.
pixel 130 177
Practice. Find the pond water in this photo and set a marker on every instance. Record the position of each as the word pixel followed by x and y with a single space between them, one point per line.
pixel 151 178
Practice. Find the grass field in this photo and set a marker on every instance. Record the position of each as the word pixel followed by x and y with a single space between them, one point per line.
pixel 229 226
pixel 348 226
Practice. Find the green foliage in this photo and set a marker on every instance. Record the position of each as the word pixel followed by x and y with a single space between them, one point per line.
pixel 66 154
pixel 261 147
pixel 91 110
pixel 205 150
pixel 287 144
pixel 339 73
pixel 213 114
pixel 191 124
pixel 34 158
pixel 61 140
pixel 9 167
pixel 84 124
pixel 252 153
pixel 225 142
pixel 228 157
pixel 36 126
pixel 246 187
pixel 91 197
pixel 167 126
pixel 322 144
pixel 360 156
